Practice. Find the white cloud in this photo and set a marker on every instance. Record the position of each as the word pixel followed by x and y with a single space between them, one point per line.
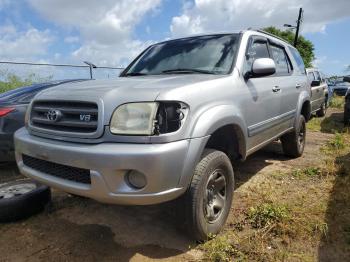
pixel 71 39
pixel 219 15
pixel 105 27
pixel 23 45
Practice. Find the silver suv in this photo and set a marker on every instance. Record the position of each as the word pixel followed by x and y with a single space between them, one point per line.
pixel 171 125
pixel 319 92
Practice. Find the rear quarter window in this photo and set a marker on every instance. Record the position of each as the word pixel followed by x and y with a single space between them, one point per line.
pixel 298 60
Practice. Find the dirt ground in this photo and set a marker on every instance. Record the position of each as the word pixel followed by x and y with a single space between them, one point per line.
pixel 78 229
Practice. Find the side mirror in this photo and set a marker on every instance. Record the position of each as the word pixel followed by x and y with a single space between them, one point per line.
pixel 263 67
pixel 315 83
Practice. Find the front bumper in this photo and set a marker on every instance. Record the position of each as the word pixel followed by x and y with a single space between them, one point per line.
pixel 166 167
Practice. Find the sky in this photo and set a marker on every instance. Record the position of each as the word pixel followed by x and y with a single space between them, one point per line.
pixel 113 32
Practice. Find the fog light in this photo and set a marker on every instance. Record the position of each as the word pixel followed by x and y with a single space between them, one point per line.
pixel 136 179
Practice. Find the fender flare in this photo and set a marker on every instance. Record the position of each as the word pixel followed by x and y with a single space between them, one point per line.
pixel 303 97
pixel 206 123
pixel 217 117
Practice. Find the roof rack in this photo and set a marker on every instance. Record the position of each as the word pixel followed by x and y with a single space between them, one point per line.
pixel 267 33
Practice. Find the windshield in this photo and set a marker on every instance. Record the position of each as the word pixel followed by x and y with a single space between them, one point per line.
pixel 213 54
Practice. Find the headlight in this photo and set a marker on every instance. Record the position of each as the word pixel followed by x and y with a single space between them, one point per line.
pixel 134 119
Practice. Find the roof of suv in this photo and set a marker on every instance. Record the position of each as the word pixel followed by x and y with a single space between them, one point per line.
pixel 236 32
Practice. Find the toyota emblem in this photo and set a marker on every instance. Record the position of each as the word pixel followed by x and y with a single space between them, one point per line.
pixel 54 115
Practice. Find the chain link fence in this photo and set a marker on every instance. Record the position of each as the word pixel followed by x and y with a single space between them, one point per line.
pixel 36 72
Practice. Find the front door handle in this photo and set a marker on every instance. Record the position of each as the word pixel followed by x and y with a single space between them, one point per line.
pixel 276 89
pixel 298 86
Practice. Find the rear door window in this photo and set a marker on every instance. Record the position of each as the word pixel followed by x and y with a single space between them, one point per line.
pixel 317 76
pixel 298 59
pixel 281 60
pixel 311 76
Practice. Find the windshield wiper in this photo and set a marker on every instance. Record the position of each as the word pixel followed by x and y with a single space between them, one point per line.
pixel 187 71
pixel 135 74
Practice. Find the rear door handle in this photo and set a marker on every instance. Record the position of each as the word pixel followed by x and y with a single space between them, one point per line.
pixel 276 89
pixel 298 85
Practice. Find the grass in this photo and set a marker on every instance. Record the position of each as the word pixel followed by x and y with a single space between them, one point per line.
pixel 220 249
pixel 337 102
pixel 337 143
pixel 329 124
pixel 307 172
pixel 267 214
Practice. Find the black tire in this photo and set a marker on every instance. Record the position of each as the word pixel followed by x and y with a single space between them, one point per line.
pixel 293 143
pixel 322 111
pixel 206 194
pixel 346 116
pixel 23 199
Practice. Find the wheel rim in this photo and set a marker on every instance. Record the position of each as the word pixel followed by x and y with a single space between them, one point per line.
pixel 215 199
pixel 16 190
pixel 301 137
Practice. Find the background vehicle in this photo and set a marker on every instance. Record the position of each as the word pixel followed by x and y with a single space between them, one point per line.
pixel 347 104
pixel 171 125
pixel 347 108
pixel 319 92
pixel 341 87
pixel 13 106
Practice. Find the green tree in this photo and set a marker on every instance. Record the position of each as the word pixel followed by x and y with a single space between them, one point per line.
pixel 9 81
pixel 305 47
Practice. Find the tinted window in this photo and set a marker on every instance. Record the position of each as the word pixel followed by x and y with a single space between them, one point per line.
pixel 298 60
pixel 281 60
pixel 258 49
pixel 211 53
pixel 317 75
pixel 311 76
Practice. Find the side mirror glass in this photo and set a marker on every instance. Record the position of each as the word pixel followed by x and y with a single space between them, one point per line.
pixel 263 67
pixel 315 83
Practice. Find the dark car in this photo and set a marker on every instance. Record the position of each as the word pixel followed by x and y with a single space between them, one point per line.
pixel 340 88
pixel 347 104
pixel 13 106
pixel 347 108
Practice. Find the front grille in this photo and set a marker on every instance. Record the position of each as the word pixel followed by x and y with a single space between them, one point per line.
pixel 75 174
pixel 67 116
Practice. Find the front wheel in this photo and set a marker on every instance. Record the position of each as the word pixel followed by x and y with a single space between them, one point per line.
pixel 293 143
pixel 208 200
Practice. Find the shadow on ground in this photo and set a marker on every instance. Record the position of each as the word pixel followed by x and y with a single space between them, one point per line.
pixel 9 172
pixel 335 246
pixel 333 123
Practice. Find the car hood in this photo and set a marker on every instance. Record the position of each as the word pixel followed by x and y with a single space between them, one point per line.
pixel 342 86
pixel 111 93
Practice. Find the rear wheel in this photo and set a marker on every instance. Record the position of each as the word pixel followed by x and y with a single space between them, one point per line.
pixel 293 143
pixel 208 200
pixel 322 111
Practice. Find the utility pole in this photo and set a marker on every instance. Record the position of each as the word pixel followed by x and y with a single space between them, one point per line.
pixel 300 18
